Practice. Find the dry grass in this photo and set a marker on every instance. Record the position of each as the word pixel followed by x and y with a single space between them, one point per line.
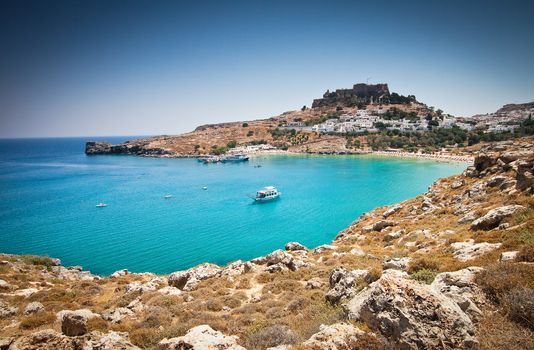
pixel 270 336
pixel 526 253
pixel 37 320
pixel 496 332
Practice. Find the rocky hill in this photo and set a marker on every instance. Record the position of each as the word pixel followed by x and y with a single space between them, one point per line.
pixel 213 138
pixel 450 269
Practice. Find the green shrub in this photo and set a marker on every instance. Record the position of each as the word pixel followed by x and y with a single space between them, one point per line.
pixel 38 260
pixel 424 275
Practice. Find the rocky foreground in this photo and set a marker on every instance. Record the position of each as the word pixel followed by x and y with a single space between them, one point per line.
pixel 452 268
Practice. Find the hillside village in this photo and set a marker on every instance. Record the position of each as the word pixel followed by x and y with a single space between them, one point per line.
pixel 363 119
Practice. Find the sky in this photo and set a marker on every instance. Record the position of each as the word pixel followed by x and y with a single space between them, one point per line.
pixel 103 68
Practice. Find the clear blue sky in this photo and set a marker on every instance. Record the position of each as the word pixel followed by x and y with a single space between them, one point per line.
pixel 77 68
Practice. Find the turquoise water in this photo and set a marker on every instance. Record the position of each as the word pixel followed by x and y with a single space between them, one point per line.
pixel 49 189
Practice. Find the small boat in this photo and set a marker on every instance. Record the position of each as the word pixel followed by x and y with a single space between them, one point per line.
pixel 257 166
pixel 212 159
pixel 266 194
pixel 235 158
pixel 101 205
pixel 205 188
pixel 167 196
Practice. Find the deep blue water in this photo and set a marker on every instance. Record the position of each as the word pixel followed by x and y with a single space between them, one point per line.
pixel 49 189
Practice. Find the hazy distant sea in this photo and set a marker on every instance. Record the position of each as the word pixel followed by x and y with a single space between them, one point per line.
pixel 49 189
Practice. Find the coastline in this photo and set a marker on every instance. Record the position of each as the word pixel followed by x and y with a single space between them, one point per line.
pixel 400 154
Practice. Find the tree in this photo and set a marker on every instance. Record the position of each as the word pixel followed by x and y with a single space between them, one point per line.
pixel 303 108
pixel 231 144
pixel 245 125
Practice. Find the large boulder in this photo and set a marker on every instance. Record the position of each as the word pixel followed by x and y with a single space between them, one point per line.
pixel 7 310
pixel 280 260
pixel 186 280
pixel 396 263
pixel 201 338
pixel 49 339
pixel 344 283
pixel 339 336
pixel 73 325
pixel 294 246
pixel 33 308
pixel 460 286
pixel 110 341
pixel 236 268
pixel 412 315
pixel 392 210
pixel 379 225
pixel 149 286
pixel 470 250
pixel 494 217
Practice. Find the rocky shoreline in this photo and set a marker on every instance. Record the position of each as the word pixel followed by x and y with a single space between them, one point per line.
pixel 103 148
pixel 451 268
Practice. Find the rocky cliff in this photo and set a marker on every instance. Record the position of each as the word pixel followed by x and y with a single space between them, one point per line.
pixel 450 269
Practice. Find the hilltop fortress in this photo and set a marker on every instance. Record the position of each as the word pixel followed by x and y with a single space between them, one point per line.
pixel 360 94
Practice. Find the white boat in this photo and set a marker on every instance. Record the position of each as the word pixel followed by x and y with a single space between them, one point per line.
pixel 205 188
pixel 167 196
pixel 266 194
pixel 235 158
pixel 101 205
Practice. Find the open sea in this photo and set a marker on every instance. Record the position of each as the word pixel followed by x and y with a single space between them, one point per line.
pixel 49 190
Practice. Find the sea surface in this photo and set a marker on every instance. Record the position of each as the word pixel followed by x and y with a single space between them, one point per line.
pixel 49 190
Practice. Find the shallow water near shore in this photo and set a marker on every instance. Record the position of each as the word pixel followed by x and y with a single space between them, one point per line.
pixel 49 190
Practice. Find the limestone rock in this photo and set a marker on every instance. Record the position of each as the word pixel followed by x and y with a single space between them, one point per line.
pixel 88 314
pixel 110 341
pixel 314 283
pixel 281 260
pixel 236 268
pixel 149 286
pixel 457 184
pixel 470 250
pixel 325 247
pixel 201 338
pixel 33 308
pixel 392 211
pixel 4 284
pixel 393 235
pixel 47 339
pixel 379 226
pixel 357 251
pixel 396 263
pixel 412 315
pixel 293 246
pixel 73 324
pixel 460 286
pixel 338 336
pixel 494 217
pixel 5 342
pixel 186 280
pixel 508 256
pixel 119 273
pixel 469 217
pixel 344 283
pixel 7 310
pixel 170 291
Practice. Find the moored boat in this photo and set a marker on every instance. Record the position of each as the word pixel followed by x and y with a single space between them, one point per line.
pixel 267 194
pixel 235 158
